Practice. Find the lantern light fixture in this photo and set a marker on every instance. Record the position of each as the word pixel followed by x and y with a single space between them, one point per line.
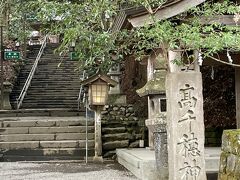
pixel 98 86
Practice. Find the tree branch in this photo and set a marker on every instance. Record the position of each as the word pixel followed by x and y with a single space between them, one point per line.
pixel 221 61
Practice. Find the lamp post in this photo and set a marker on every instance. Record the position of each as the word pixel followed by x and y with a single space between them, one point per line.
pixel 98 87
pixel 1 58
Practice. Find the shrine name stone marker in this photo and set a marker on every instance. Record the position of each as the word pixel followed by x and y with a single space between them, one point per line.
pixel 185 126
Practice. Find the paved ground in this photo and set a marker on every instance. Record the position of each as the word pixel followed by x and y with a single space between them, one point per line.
pixel 63 171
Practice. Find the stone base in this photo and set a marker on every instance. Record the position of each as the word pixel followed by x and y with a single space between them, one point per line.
pixel 98 159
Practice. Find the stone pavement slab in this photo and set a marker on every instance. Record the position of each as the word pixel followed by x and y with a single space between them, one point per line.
pixel 141 161
pixel 63 171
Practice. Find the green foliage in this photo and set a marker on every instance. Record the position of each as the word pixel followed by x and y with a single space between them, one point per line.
pixel 89 24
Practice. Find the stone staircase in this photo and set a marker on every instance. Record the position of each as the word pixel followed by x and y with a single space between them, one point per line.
pixel 48 126
pixel 45 138
pixel 55 83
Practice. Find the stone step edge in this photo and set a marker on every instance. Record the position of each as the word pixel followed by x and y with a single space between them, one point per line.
pixel 49 130
pixel 31 145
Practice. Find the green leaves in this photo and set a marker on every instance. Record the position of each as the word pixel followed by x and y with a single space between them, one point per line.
pixel 89 23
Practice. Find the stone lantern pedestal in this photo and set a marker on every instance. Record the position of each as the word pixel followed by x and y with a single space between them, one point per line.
pixel 158 127
pixel 7 86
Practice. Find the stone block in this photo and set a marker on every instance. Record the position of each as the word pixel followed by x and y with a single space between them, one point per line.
pixel 237 168
pixel 231 162
pixel 223 162
pixel 42 123
pixel 73 136
pixel 185 125
pixel 82 143
pixel 115 137
pixel 73 123
pixel 134 144
pixel 18 123
pixel 115 144
pixel 26 137
pixel 113 130
pixel 18 130
pixel 19 145
pixel 58 144
pixel 52 130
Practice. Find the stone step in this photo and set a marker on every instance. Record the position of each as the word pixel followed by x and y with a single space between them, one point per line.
pixel 45 144
pixel 28 106
pixel 113 130
pixel 44 121
pixel 115 137
pixel 46 130
pixel 62 98
pixel 40 113
pixel 115 144
pixel 47 154
pixel 45 137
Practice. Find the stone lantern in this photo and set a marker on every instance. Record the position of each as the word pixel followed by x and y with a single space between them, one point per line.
pixel 7 89
pixel 98 87
pixel 156 122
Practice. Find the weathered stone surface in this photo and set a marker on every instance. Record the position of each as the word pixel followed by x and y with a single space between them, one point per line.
pixel 119 125
pixel 231 141
pixel 115 144
pixel 26 137
pixel 134 144
pixel 223 162
pixel 230 156
pixel 82 143
pixel 185 126
pixel 18 130
pixel 45 123
pixel 73 136
pixel 74 123
pixel 51 130
pixel 58 144
pixel 18 123
pixel 19 145
pixel 115 137
pixel 113 130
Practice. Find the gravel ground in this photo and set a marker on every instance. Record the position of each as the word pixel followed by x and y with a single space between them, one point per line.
pixel 63 171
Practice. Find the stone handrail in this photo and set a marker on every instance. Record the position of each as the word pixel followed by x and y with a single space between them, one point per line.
pixel 30 76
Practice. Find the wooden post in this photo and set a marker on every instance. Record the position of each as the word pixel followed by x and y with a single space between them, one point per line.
pixel 237 92
pixel 1 59
pixel 98 135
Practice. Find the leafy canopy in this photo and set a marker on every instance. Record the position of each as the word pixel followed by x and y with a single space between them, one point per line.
pixel 89 22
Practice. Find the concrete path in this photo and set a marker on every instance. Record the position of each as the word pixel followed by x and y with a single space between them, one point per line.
pixel 63 171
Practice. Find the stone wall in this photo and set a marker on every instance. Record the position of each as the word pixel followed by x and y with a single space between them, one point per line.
pixel 120 129
pixel 230 156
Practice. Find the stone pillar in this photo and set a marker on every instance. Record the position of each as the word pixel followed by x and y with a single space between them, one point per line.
pixel 98 136
pixel 114 72
pixel 160 145
pixel 230 157
pixel 7 86
pixel 185 126
pixel 237 92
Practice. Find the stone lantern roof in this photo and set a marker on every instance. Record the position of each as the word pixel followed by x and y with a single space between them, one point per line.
pixel 154 86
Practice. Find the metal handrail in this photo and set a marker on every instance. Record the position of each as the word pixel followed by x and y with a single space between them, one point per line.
pixel 30 76
pixel 80 90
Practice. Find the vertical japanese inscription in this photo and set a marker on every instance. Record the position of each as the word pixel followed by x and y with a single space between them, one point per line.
pixel 188 143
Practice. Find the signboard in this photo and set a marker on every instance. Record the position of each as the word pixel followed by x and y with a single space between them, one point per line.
pixel 73 56
pixel 10 55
